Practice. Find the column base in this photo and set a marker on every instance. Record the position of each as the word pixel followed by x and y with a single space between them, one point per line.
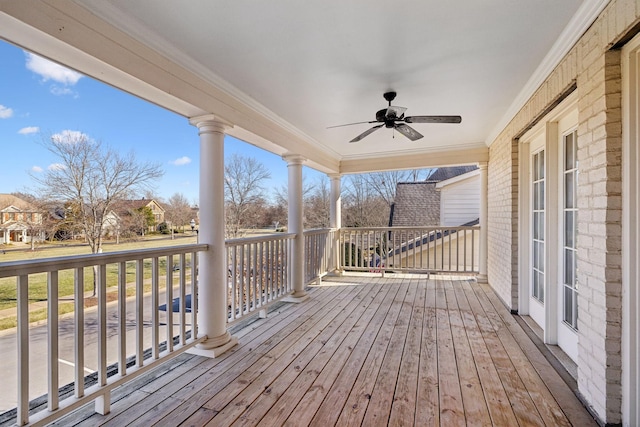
pixel 214 348
pixel 482 278
pixel 337 273
pixel 296 298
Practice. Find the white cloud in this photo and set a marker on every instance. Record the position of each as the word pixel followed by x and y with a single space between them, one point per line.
pixel 28 130
pixel 181 161
pixel 56 167
pixel 62 90
pixel 51 71
pixel 70 137
pixel 36 169
pixel 5 112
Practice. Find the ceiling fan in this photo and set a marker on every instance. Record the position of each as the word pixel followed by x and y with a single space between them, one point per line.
pixel 393 117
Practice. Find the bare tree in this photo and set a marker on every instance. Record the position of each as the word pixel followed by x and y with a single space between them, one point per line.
pixel 317 200
pixel 178 212
pixel 384 183
pixel 363 206
pixel 243 179
pixel 90 178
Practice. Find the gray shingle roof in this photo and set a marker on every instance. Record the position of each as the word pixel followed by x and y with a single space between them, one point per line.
pixel 417 204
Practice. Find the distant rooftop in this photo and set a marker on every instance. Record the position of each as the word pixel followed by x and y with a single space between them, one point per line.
pixel 417 204
pixel 442 174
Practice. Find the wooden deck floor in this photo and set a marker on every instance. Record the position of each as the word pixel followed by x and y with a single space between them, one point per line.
pixel 362 351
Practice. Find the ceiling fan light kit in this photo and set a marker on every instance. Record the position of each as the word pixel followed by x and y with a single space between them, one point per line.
pixel 392 117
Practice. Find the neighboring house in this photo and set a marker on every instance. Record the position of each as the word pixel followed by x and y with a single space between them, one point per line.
pixel 450 197
pixel 124 208
pixel 17 218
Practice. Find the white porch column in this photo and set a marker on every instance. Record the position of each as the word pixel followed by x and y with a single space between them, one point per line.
pixel 484 183
pixel 212 268
pixel 294 164
pixel 335 216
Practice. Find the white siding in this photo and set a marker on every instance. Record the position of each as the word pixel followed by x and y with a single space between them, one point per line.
pixel 460 202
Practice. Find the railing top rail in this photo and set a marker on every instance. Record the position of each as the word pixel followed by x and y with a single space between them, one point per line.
pixel 430 227
pixel 258 239
pixel 318 231
pixel 42 265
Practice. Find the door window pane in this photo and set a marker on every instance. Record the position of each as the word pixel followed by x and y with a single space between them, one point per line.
pixel 538 226
pixel 570 186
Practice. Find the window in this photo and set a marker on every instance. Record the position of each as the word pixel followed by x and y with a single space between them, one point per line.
pixel 538 226
pixel 570 210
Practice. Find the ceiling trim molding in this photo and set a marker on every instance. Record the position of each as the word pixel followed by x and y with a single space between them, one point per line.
pixel 586 15
pixel 416 161
pixel 414 152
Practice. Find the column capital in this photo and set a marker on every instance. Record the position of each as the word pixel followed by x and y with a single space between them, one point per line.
pixel 483 165
pixel 209 123
pixel 293 159
pixel 334 176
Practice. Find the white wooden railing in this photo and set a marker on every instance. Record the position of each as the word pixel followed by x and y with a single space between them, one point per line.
pixel 114 328
pixel 258 273
pixel 411 249
pixel 320 253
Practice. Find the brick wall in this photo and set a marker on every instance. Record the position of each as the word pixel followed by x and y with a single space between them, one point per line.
pixel 594 69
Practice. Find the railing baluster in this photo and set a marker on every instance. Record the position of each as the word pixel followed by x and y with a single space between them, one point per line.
pixel 183 299
pixel 260 272
pixel 244 294
pixel 122 318
pixel 194 295
pixel 78 283
pixel 139 312
pixel 449 235
pixel 473 247
pixel 168 288
pixel 22 295
pixel 155 315
pixel 52 340
pixel 254 278
pixel 103 402
pixel 465 253
pixel 232 276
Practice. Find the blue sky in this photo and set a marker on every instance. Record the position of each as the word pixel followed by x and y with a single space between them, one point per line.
pixel 39 99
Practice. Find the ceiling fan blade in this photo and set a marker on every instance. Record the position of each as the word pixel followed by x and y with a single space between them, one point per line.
pixel 349 124
pixel 408 131
pixel 433 119
pixel 365 133
pixel 394 112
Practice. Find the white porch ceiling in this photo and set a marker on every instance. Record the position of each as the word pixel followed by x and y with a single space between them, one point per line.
pixel 283 71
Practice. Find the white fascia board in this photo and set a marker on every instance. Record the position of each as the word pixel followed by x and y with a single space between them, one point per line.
pixel 459 178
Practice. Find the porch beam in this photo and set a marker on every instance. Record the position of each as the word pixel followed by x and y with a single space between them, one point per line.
pixel 295 225
pixel 212 274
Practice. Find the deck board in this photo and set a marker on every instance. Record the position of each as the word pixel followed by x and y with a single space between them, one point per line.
pixel 404 350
